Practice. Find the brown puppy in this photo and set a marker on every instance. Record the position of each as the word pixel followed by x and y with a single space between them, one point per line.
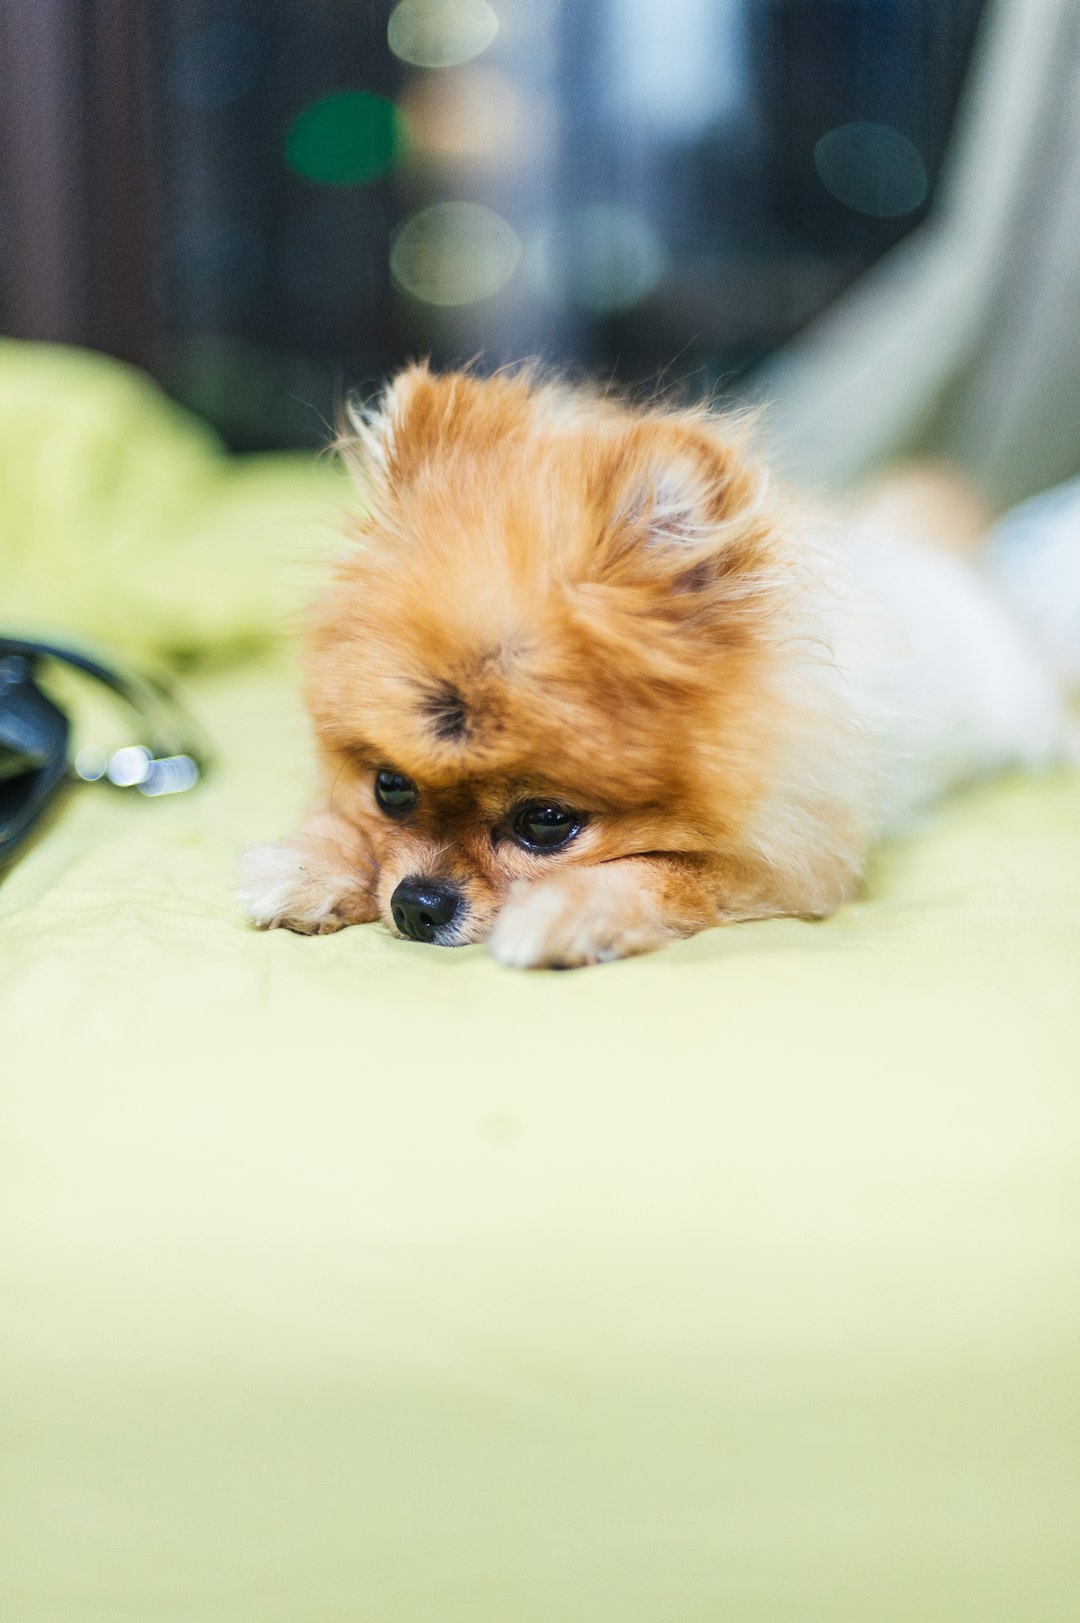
pixel 581 685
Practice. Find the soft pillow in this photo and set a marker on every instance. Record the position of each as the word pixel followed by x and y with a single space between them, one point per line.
pixel 124 521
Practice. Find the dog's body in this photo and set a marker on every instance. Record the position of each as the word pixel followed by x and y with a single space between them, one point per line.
pixel 583 685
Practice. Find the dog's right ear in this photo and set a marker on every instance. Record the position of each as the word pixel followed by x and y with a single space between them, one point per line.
pixel 424 419
pixel 376 438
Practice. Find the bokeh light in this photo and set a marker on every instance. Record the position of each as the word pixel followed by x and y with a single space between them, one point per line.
pixel 454 253
pixel 90 763
pixel 345 139
pixel 129 766
pixel 440 33
pixel 170 775
pixel 475 115
pixel 872 168
pixel 603 258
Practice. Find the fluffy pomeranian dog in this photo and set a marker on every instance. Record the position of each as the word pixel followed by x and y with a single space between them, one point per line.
pixel 583 683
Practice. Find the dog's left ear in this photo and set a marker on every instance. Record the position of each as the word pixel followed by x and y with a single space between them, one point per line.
pixel 683 501
pixel 667 502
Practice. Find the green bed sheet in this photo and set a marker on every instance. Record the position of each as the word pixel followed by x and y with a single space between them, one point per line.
pixel 344 1280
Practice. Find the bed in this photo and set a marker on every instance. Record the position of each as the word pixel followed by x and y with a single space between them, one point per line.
pixel 348 1281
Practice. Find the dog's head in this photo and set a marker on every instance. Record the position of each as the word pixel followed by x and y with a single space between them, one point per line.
pixel 547 642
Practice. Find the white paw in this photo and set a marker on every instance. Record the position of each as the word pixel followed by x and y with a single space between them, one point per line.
pixel 284 886
pixel 575 920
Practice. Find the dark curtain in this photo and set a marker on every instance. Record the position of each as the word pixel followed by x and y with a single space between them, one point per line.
pixel 156 201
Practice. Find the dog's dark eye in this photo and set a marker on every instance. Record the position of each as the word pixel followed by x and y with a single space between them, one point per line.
pixel 395 793
pixel 543 825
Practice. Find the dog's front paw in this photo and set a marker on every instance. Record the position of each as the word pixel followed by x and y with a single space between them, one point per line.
pixel 586 917
pixel 293 886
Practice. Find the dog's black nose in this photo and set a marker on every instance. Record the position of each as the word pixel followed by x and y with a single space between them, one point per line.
pixel 422 906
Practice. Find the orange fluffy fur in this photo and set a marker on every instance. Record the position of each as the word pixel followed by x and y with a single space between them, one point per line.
pixel 602 598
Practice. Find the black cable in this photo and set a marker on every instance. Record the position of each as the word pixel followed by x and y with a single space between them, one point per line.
pixel 173 732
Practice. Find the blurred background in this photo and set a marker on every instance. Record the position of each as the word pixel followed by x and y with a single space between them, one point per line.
pixel 266 203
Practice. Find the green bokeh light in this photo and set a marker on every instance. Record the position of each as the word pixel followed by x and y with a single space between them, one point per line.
pixel 345 139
